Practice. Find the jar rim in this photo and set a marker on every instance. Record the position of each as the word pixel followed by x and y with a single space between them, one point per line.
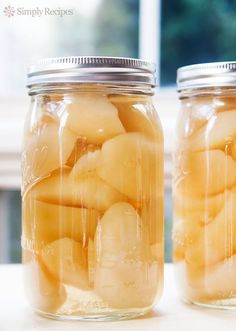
pixel 204 75
pixel 91 69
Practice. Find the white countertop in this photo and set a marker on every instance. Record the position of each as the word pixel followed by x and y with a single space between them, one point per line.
pixel 170 314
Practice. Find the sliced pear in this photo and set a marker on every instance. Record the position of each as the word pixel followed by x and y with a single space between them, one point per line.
pixel 219 280
pixel 65 259
pixel 193 116
pixel 184 234
pixel 135 120
pixel 45 222
pixel 216 282
pixel 44 292
pixel 88 191
pixel 94 117
pixel 46 147
pixel 124 277
pixel 130 163
pixel 128 284
pixel 217 240
pixel 87 163
pixel 205 173
pixel 138 116
pixel 93 192
pixel 198 210
pixel 119 231
pixel 219 131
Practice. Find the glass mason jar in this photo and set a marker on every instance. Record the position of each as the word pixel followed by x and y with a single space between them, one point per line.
pixel 92 189
pixel 204 185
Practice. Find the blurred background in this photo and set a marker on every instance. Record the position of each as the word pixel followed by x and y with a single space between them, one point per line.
pixel 171 33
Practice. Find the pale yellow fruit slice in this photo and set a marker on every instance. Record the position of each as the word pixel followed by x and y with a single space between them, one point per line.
pixel 198 210
pixel 91 262
pixel 119 231
pixel 184 234
pixel 88 191
pixel 45 222
pixel 205 173
pixel 193 116
pixel 138 116
pixel 66 261
pixel 93 116
pixel 128 284
pixel 217 240
pixel 220 280
pixel 130 163
pixel 46 148
pixel 214 282
pixel 93 192
pixel 219 131
pixel 86 163
pixel 44 292
pixel 124 277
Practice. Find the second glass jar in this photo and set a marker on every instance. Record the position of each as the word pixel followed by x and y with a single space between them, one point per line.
pixel 204 185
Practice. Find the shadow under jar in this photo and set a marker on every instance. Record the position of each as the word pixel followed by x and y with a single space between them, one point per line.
pixel 92 189
pixel 204 185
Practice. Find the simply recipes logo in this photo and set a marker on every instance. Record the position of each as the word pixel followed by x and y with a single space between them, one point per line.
pixel 10 11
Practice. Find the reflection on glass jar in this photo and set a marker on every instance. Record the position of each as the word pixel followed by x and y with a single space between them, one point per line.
pixel 92 197
pixel 204 185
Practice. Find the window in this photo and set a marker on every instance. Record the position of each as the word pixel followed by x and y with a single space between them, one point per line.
pixel 195 31
pixel 10 226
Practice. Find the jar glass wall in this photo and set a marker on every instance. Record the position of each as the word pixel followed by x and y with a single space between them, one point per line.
pixel 92 202
pixel 204 193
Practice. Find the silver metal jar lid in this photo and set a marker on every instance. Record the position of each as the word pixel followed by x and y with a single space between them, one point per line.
pixel 215 74
pixel 76 69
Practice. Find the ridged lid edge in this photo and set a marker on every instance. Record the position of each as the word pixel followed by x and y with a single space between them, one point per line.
pixel 72 69
pixel 219 74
